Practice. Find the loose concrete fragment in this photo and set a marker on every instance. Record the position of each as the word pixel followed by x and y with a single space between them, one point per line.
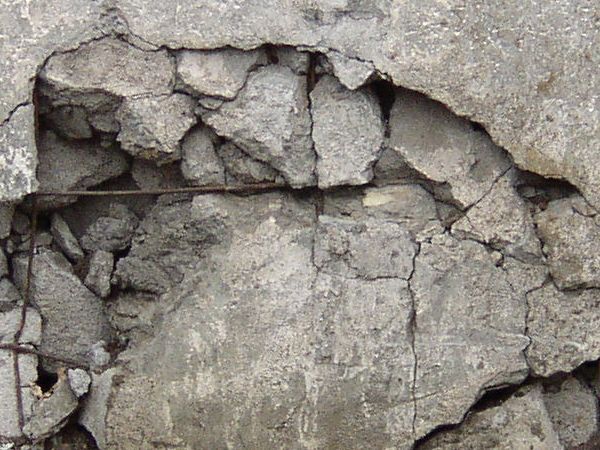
pixel 563 327
pixel 100 272
pixel 153 127
pixel 573 409
pixel 79 381
pixel 73 316
pixel 445 148
pixel 519 423
pixel 391 167
pixel 21 223
pixel 64 238
pixel 352 73
pixel 95 406
pixel 570 233
pixel 109 66
pixel 50 413
pixel 216 73
pixel 296 60
pixel 200 164
pixel 6 215
pixel 18 155
pixel 347 131
pixel 98 355
pixel 242 168
pixel 9 295
pixel 113 232
pixel 149 176
pixel 88 164
pixel 269 120
pixel 3 264
pixel 469 329
pixel 502 219
pixel 9 324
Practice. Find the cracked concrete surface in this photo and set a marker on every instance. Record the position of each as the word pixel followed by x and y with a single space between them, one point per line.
pixel 403 279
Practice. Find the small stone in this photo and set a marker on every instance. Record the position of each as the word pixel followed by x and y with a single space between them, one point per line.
pixel 352 73
pixel 242 167
pixel 64 238
pixel 79 381
pixel 98 355
pixel 273 128
pixel 563 327
pixel 348 133
pixel 570 239
pixel 200 164
pixel 111 233
pixel 50 413
pixel 209 103
pixel 573 409
pixel 445 148
pixel 216 73
pixel 20 223
pixel 153 127
pixel 100 272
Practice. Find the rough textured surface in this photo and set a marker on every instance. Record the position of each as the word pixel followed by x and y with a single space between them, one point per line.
pixel 351 72
pixel 274 127
pixel 73 316
pixel 112 232
pixel 242 168
pixel 520 423
pixel 64 238
pixel 200 164
pixel 98 277
pixel 348 133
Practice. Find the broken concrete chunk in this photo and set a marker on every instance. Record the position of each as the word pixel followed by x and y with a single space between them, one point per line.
pixel 111 66
pixel 445 148
pixel 346 247
pixel 216 73
pixel 570 238
pixel 88 165
pixel 347 131
pixel 74 318
pixel 98 355
pixel 269 120
pixel 64 238
pixel 6 215
pixel 100 272
pixel 18 157
pixel 521 422
pixel 3 264
pixel 9 295
pixel 391 167
pixel 149 176
pixel 573 409
pixel 113 232
pixel 200 164
pixel 469 329
pixel 563 329
pixel 50 413
pixel 153 127
pixel 352 73
pixel 70 122
pixel 95 406
pixel 242 168
pixel 296 60
pixel 21 223
pixel 502 219
pixel 79 381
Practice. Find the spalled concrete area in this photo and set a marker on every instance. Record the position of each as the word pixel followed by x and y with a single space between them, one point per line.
pixel 383 267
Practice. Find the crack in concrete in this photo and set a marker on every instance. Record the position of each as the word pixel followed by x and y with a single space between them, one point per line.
pixel 412 336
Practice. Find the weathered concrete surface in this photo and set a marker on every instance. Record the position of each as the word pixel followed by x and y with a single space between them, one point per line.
pixel 269 119
pixel 200 164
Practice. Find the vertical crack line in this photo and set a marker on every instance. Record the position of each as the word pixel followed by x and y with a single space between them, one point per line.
pixel 412 323
pixel 20 329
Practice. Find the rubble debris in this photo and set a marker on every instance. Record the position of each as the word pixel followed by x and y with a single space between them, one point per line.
pixel 3 264
pixel 291 57
pixel 149 176
pixel 519 422
pixel 51 412
pixel 573 409
pixel 95 406
pixel 391 167
pixel 352 73
pixel 18 159
pixel 347 131
pixel 98 355
pixel 273 128
pixel 9 295
pixel 99 274
pixel 561 325
pixel 242 168
pixel 570 230
pixel 501 219
pixel 200 164
pixel 216 73
pixel 79 381
pixel 70 122
pixel 64 238
pixel 6 214
pixel 74 318
pixel 20 223
pixel 445 148
pixel 113 232
pixel 153 127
